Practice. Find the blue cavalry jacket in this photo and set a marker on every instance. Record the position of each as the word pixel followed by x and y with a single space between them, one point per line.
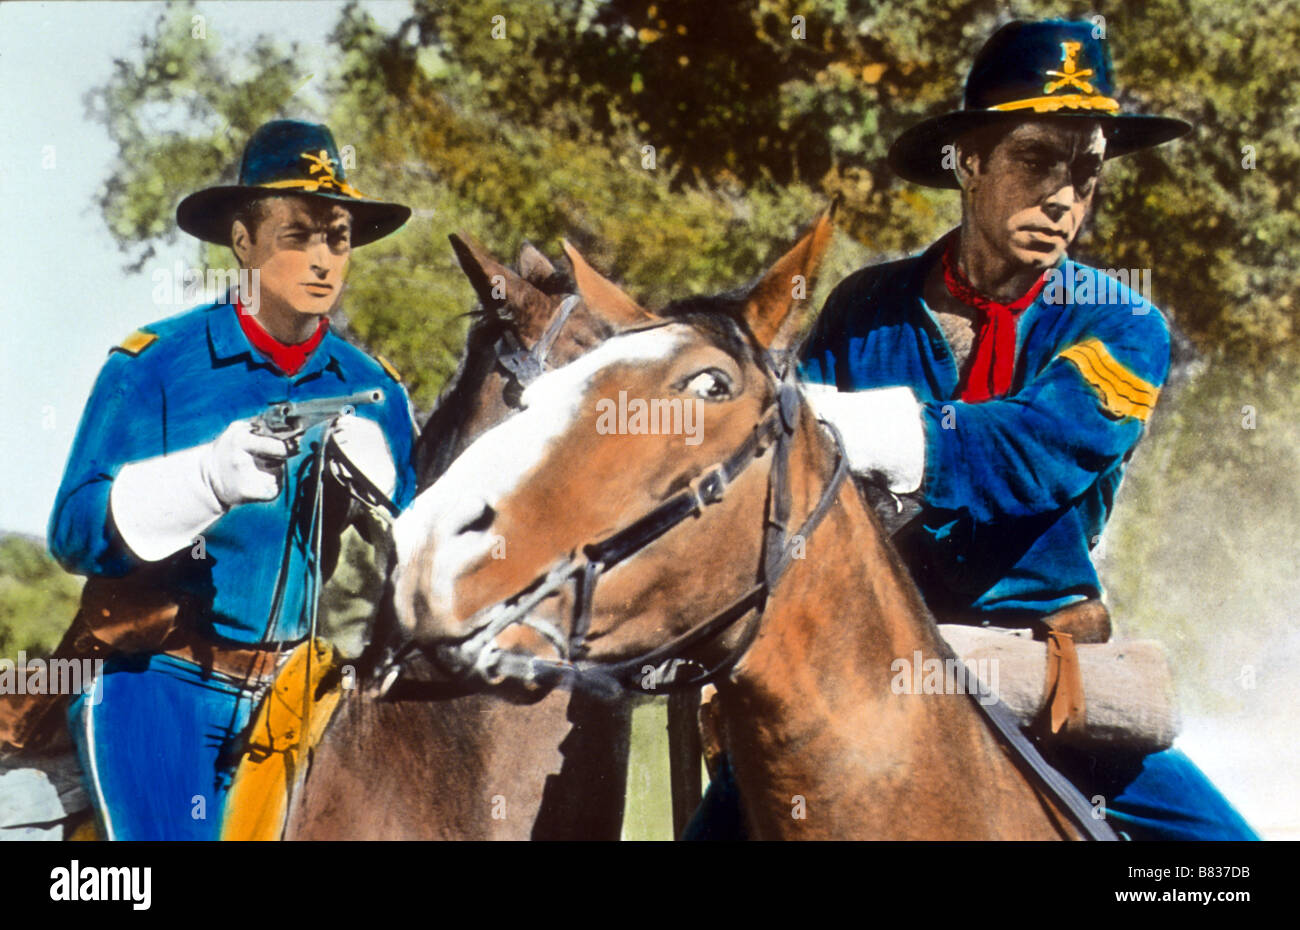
pixel 1016 489
pixel 179 383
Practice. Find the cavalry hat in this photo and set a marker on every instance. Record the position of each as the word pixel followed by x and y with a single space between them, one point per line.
pixel 288 157
pixel 1051 68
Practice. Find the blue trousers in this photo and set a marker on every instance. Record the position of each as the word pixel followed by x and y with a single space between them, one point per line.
pixel 1161 796
pixel 158 748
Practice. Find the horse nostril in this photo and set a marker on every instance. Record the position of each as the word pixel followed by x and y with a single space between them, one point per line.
pixel 480 522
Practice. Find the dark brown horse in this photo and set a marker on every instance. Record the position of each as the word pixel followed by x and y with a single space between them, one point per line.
pixel 427 761
pixel 638 557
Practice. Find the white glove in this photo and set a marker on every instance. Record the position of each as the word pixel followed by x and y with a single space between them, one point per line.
pixel 882 431
pixel 243 466
pixel 365 449
pixel 159 505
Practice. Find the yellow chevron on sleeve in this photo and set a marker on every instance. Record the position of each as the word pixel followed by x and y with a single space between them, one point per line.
pixel 1122 393
pixel 137 342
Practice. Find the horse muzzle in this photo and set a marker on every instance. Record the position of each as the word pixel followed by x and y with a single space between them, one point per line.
pixel 508 640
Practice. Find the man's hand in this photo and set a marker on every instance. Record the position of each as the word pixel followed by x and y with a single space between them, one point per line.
pixel 160 505
pixel 364 449
pixel 882 431
pixel 242 466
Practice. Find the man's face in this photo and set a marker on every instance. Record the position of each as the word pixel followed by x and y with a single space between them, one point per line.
pixel 301 247
pixel 1031 192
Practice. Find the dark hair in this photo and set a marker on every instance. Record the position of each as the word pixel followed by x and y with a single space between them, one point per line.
pixel 982 140
pixel 251 213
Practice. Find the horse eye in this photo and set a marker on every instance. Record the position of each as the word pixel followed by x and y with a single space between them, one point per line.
pixel 710 384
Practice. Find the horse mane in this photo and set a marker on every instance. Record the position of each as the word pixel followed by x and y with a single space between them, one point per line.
pixel 441 431
pixel 719 319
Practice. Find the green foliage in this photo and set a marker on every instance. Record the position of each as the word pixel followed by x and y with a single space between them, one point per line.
pixel 37 599
pixel 347 604
pixel 1226 273
pixel 542 133
pixel 177 116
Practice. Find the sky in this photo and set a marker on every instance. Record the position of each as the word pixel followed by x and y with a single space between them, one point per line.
pixel 69 298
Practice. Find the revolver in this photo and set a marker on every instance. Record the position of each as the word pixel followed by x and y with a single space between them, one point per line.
pixel 288 420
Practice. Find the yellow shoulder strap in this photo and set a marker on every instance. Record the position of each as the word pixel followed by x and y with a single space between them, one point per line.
pixel 138 341
pixel 388 367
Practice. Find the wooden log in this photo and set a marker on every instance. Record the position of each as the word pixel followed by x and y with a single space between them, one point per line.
pixel 1127 686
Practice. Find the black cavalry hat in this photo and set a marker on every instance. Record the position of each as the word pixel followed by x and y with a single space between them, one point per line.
pixel 288 157
pixel 1049 68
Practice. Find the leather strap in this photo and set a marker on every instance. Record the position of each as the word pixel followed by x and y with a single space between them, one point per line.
pixel 129 616
pixel 1087 621
pixel 1063 701
pixel 29 720
pixel 526 365
pixel 251 666
pixel 1028 759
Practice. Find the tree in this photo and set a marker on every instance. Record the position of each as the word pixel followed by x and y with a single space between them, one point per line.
pixel 37 599
pixel 515 120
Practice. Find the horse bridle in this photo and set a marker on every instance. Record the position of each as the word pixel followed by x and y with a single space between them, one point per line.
pixel 526 365
pixel 478 654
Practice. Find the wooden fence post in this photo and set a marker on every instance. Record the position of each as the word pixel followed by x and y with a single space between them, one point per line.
pixel 684 755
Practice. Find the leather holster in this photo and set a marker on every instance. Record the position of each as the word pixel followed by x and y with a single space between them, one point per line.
pixel 134 614
pixel 116 615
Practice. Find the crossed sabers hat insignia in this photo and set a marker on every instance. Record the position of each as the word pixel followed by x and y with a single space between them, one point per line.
pixel 1069 77
pixel 323 162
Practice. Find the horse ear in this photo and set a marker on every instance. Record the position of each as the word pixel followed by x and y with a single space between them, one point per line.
pixel 786 285
pixel 535 266
pixel 602 296
pixel 496 284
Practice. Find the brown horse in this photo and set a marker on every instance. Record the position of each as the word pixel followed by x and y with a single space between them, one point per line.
pixel 637 557
pixel 552 768
pixel 427 761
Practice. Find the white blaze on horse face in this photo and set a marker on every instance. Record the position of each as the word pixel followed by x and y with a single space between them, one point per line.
pixel 448 527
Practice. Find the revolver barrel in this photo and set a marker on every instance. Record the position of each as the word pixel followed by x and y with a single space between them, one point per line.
pixel 290 418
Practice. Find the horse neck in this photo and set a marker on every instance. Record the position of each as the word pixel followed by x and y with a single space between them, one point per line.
pixel 877 613
pixel 809 711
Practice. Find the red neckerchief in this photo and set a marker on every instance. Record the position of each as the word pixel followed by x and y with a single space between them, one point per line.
pixel 288 358
pixel 994 354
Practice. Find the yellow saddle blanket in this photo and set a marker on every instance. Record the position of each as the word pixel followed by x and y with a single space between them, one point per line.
pixel 289 722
